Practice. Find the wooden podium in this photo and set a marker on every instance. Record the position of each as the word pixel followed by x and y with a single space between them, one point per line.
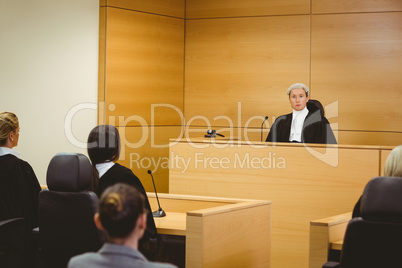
pixel 220 232
pixel 305 182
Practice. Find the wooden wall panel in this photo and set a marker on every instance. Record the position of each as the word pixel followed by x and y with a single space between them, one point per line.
pixel 174 8
pixel 369 138
pixel 144 149
pixel 355 60
pixel 236 8
pixel 241 68
pixel 144 66
pixel 348 6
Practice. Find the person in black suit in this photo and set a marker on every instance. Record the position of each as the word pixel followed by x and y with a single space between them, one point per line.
pixel 392 168
pixel 104 151
pixel 123 216
pixel 19 187
pixel 307 122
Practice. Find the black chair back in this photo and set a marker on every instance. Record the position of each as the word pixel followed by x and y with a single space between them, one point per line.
pixel 66 211
pixel 12 238
pixel 374 240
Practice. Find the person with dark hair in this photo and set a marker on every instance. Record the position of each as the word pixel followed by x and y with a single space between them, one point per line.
pixel 19 187
pixel 104 151
pixel 306 124
pixel 122 215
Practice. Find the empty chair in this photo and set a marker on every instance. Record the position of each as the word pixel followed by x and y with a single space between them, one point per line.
pixel 12 239
pixel 66 211
pixel 374 239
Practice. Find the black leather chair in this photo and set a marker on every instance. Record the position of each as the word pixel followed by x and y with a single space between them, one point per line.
pixel 12 239
pixel 375 239
pixel 66 211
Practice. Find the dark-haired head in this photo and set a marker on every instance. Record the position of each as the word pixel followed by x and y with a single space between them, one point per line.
pixel 103 144
pixel 120 207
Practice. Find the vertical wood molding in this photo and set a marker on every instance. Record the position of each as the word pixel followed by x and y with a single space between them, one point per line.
pixel 102 65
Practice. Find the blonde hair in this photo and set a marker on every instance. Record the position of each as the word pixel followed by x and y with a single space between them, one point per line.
pixel 8 124
pixel 393 165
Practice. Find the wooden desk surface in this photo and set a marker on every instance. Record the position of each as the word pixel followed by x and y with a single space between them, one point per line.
pixel 178 206
pixel 325 234
pixel 337 245
pixel 174 223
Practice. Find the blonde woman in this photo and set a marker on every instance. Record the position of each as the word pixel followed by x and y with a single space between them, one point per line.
pixel 19 187
pixel 392 168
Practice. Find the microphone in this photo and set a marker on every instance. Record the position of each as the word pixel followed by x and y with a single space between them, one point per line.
pixel 262 125
pixel 160 212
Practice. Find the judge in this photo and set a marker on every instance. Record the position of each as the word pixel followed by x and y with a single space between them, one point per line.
pixel 306 124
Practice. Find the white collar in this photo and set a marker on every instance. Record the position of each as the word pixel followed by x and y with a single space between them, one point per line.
pixel 303 112
pixel 6 150
pixel 103 167
pixel 296 127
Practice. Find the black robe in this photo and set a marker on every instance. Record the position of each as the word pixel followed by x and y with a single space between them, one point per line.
pixel 316 128
pixel 118 173
pixel 19 190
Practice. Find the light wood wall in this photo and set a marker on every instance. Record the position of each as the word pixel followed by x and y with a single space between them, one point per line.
pixel 347 52
pixel 225 65
pixel 141 71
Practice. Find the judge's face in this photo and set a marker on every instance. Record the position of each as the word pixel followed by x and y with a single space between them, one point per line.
pixel 298 99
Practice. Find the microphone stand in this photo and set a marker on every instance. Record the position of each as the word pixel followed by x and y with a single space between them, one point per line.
pixel 262 125
pixel 160 212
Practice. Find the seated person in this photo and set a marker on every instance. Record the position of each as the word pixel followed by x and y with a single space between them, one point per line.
pixel 123 216
pixel 104 151
pixel 392 168
pixel 306 124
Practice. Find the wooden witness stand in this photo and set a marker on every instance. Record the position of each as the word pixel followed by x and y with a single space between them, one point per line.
pixel 220 232
pixel 305 182
pixel 326 234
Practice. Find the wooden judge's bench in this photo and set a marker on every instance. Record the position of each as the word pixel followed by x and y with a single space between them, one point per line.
pixel 305 182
